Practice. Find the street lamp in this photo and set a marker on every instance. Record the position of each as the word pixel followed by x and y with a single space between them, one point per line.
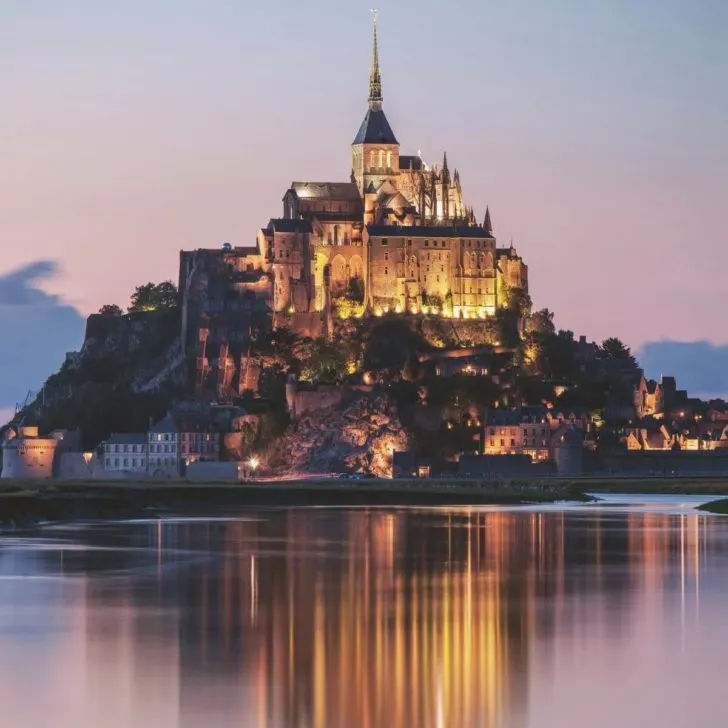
pixel 253 464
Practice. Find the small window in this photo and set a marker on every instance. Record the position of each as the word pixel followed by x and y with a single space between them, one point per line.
pixel 427 243
pixel 386 256
pixel 386 271
pixel 385 241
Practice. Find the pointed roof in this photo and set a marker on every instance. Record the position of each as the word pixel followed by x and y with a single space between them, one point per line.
pixel 375 128
pixel 375 75
pixel 445 169
pixel 487 224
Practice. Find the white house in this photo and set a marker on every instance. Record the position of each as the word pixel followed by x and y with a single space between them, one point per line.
pixel 126 452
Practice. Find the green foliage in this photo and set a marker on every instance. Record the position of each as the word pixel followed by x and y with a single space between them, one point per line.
pixel 540 323
pixel 110 310
pixel 613 348
pixel 434 301
pixel 355 290
pixel 391 343
pixel 410 370
pixel 322 362
pixel 154 296
pixel 506 324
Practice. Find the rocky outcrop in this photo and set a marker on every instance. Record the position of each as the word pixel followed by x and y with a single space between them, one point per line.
pixel 359 436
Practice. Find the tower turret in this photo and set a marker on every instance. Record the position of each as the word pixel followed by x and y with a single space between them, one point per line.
pixel 487 225
pixel 375 151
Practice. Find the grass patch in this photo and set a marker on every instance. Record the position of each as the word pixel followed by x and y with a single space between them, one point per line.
pixel 719 507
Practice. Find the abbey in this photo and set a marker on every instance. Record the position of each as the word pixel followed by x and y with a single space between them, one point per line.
pixel 399 229
pixel 397 237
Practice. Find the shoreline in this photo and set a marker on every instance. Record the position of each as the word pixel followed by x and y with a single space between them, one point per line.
pixel 27 504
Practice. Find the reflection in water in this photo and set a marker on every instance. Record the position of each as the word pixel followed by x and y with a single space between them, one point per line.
pixel 331 618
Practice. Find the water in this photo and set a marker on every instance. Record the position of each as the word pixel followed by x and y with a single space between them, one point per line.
pixel 598 616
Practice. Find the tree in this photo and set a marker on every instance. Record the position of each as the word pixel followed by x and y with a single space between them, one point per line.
pixel 613 348
pixel 355 290
pixel 390 343
pixel 154 296
pixel 540 322
pixel 110 310
pixel 323 361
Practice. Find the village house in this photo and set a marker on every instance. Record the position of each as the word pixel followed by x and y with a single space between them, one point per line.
pixel 126 453
pixel 522 431
pixel 180 439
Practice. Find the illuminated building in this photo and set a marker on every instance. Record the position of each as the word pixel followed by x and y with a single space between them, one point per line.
pixel 523 431
pixel 396 237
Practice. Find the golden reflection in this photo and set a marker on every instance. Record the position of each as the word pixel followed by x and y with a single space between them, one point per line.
pixel 409 619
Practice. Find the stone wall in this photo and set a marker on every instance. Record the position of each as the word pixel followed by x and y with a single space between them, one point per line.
pixel 649 462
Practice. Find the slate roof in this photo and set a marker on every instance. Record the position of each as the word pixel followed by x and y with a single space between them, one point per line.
pixel 375 129
pixel 127 438
pixel 427 231
pixel 281 225
pixel 503 418
pixel 326 190
pixel 182 422
pixel 410 162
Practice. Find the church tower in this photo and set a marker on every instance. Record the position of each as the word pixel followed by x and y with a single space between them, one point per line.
pixel 375 151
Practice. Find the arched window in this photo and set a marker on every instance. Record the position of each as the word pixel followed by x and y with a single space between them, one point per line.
pixel 372 159
pixel 381 158
pixel 389 160
pixel 336 234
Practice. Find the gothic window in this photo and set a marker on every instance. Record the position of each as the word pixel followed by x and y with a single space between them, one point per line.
pixel 372 159
pixel 389 160
pixel 381 157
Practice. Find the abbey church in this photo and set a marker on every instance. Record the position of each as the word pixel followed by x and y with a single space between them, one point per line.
pixel 397 236
pixel 399 226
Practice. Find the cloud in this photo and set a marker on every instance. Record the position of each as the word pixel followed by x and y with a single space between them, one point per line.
pixel 36 331
pixel 700 366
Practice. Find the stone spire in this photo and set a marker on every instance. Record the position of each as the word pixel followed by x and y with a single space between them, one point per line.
pixel 375 75
pixel 445 170
pixel 487 224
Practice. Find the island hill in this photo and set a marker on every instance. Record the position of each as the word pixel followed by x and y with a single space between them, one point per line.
pixel 508 396
pixel 375 316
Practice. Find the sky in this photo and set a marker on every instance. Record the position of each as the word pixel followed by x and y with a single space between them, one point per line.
pixel 596 132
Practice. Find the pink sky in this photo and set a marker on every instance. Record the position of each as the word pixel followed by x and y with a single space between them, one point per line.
pixel 596 135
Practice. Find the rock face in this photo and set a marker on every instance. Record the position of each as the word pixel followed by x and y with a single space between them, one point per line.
pixel 358 436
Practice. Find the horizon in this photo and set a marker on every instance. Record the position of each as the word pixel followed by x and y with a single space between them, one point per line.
pixel 577 142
